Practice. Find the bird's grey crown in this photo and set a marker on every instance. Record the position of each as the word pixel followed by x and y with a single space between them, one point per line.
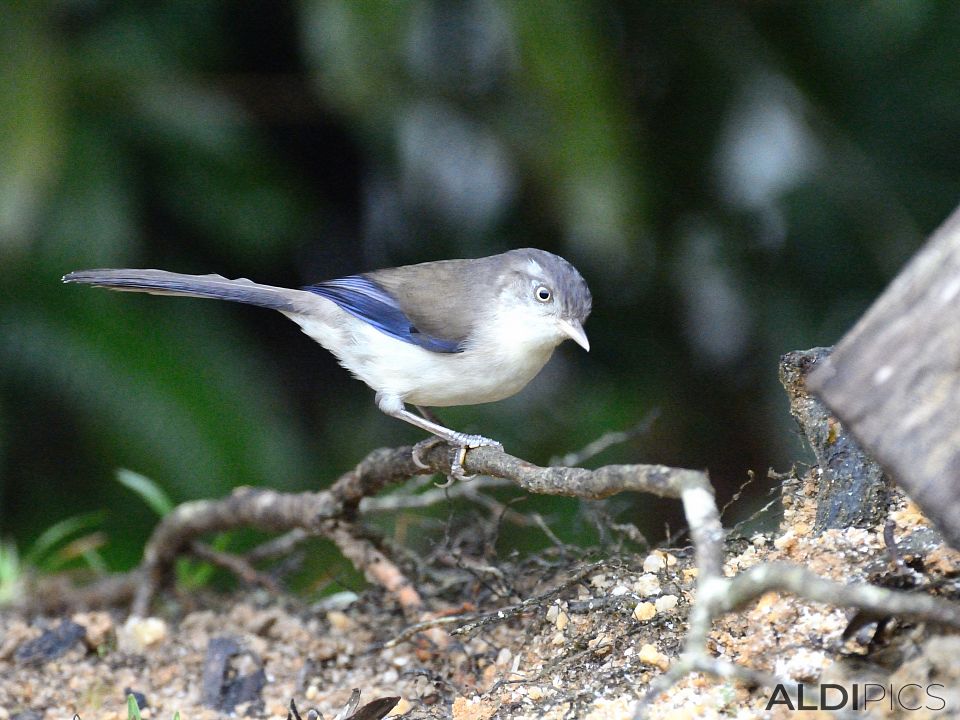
pixel 568 284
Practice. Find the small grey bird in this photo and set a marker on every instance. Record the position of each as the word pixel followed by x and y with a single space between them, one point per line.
pixel 451 332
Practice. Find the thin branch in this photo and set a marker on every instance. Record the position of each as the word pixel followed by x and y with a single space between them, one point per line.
pixel 408 501
pixel 265 510
pixel 607 440
pixel 236 564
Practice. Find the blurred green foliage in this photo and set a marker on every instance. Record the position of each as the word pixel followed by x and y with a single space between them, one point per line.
pixel 734 179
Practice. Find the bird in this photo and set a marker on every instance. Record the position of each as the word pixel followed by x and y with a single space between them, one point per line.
pixel 434 334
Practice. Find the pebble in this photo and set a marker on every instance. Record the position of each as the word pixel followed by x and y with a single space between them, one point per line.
pixel 339 621
pixel 666 602
pixel 137 634
pixel 644 611
pixel 654 562
pixel 647 585
pixel 650 655
pixel 402 707
pixel 98 627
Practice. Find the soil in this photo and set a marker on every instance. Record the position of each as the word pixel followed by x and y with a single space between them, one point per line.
pixel 560 635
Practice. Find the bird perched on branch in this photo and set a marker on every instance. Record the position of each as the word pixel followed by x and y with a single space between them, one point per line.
pixel 450 332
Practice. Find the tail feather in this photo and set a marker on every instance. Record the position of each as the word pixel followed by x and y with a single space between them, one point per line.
pixel 161 282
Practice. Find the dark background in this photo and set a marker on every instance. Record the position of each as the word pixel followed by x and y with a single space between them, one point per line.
pixel 734 179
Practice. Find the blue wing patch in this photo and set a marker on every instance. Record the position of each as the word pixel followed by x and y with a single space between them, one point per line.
pixel 363 298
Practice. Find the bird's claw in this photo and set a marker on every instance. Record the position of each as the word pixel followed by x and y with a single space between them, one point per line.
pixel 461 444
pixel 420 447
pixel 456 467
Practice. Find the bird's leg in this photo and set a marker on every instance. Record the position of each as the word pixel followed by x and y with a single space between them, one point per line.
pixel 424 445
pixel 429 414
pixel 421 447
pixel 393 407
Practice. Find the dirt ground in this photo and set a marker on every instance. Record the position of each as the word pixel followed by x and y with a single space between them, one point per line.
pixel 560 635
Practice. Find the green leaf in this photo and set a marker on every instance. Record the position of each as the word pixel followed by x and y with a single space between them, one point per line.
pixel 11 572
pixel 151 493
pixel 56 534
pixel 133 710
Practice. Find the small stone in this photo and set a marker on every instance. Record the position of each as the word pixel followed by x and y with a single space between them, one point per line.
pixel 601 644
pixel 233 677
pixel 50 645
pixel 558 640
pixel 562 620
pixel 552 612
pixel 767 602
pixel 137 634
pixel 805 663
pixel 311 692
pixel 402 707
pixel 138 697
pixel 98 627
pixel 786 541
pixel 671 559
pixel 422 687
pixel 666 602
pixel 504 657
pixel 690 574
pixel 473 709
pixel 654 562
pixel 490 675
pixel 337 601
pixel 644 611
pixel 340 621
pixel 535 693
pixel 650 655
pixel 647 585
pixel 600 581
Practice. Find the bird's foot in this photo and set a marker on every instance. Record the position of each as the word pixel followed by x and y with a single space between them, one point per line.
pixel 462 443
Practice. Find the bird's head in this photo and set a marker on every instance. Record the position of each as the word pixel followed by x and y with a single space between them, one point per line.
pixel 547 296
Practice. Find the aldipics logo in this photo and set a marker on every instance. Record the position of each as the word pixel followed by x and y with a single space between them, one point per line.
pixel 858 696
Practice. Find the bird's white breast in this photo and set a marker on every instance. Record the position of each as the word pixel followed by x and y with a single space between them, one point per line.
pixel 497 363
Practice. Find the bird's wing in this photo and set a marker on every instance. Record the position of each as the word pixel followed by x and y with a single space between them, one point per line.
pixel 365 298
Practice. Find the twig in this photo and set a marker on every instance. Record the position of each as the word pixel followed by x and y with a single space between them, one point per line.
pixel 236 564
pixel 278 546
pixel 332 512
pixel 269 511
pixel 751 478
pixel 376 566
pixel 607 440
pixel 434 496
pixel 475 621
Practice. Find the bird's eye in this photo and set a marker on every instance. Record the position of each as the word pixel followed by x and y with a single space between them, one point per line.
pixel 543 294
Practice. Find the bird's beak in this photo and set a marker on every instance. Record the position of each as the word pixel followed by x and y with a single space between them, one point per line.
pixel 573 329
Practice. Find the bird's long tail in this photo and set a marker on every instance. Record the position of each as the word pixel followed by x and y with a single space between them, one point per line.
pixel 161 282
